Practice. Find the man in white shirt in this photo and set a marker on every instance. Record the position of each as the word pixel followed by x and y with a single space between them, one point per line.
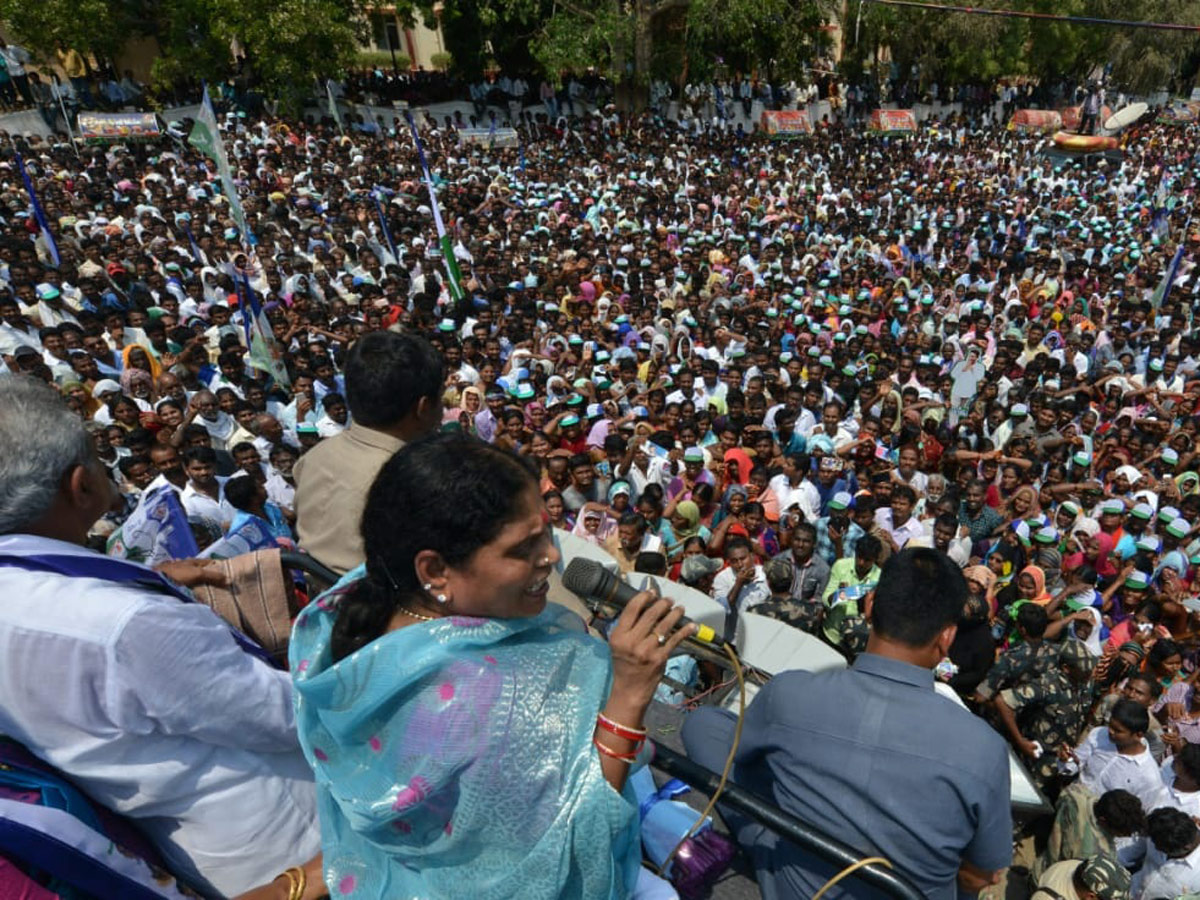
pixel 335 418
pixel 710 387
pixel 154 706
pixel 831 426
pixel 204 496
pixel 792 486
pixel 640 469
pixel 685 390
pixel 1173 866
pixel 1117 755
pixel 218 423
pixel 897 521
pixel 1181 781
pixel 51 308
pixel 15 329
pixel 742 580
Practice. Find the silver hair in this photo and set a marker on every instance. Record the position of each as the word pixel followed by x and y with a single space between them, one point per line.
pixel 41 439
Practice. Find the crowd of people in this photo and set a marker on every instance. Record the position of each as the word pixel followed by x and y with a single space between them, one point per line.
pixel 933 400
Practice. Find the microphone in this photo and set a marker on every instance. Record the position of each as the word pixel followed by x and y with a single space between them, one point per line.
pixel 591 581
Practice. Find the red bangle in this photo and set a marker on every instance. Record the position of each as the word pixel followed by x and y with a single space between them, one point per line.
pixel 623 757
pixel 622 731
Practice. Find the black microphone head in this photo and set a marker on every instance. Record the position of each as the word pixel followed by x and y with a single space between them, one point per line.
pixel 586 578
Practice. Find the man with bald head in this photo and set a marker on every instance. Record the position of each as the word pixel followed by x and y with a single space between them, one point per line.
pixel 169 385
pixel 269 432
pixel 204 411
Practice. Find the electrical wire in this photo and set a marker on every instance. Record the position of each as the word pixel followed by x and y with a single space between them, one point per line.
pixel 733 748
pixel 712 802
pixel 849 870
pixel 1046 17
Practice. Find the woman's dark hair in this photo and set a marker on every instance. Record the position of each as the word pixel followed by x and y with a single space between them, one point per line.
pixel 446 493
pixel 1163 649
pixel 695 539
pixel 240 491
pixel 121 400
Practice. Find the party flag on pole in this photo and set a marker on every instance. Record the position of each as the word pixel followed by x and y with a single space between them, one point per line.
pixel 1164 286
pixel 38 215
pixel 263 354
pixel 206 137
pixel 444 240
pixel 387 234
pixel 333 107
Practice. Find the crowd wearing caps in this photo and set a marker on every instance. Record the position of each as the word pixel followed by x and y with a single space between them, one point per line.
pixel 835 348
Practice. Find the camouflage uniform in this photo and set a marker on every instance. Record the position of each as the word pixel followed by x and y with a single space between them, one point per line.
pixel 853 632
pixel 1019 665
pixel 1051 710
pixel 1102 875
pixel 803 614
pixel 1076 833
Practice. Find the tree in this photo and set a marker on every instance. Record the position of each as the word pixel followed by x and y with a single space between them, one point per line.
pixel 959 47
pixel 631 41
pixel 93 26
pixel 287 43
pixel 778 37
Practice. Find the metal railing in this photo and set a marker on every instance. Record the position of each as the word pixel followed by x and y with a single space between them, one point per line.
pixel 784 824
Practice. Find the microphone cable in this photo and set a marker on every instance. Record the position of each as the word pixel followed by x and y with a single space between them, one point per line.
pixel 733 748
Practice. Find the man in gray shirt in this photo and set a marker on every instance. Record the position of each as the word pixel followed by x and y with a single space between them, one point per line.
pixel 871 755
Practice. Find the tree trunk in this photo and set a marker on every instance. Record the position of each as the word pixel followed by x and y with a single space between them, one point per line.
pixel 633 90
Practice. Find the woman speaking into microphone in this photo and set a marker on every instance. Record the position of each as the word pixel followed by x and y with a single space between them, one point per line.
pixel 468 738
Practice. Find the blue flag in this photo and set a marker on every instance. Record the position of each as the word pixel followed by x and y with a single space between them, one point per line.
pixel 195 248
pixel 261 341
pixel 38 214
pixel 387 234
pixel 417 143
pixel 157 531
pixel 1164 286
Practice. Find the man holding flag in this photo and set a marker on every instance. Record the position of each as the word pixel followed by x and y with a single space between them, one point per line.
pixel 38 214
pixel 444 239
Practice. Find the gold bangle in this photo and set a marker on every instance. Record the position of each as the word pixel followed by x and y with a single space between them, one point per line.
pixel 299 884
pixel 291 882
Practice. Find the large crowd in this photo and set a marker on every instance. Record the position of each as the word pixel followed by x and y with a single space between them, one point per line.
pixel 762 369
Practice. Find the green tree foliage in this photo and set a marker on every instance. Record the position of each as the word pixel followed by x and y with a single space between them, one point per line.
pixel 958 47
pixel 93 25
pixel 632 41
pixel 774 37
pixel 286 42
